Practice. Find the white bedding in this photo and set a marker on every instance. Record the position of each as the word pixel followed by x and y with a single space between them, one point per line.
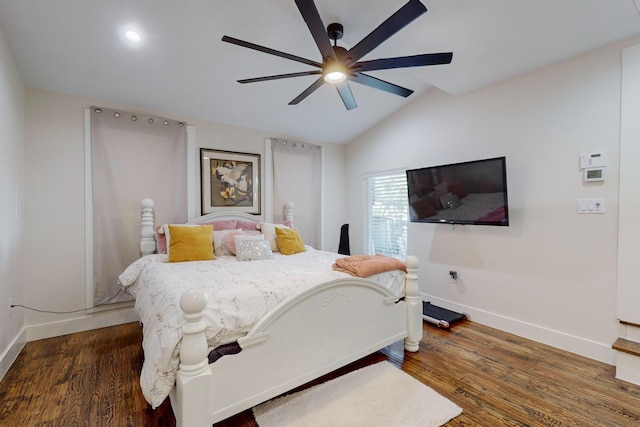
pixel 240 293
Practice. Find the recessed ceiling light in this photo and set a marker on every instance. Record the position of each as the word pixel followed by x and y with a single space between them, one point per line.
pixel 132 35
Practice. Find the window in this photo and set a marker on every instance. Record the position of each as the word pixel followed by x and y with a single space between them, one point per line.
pixel 386 214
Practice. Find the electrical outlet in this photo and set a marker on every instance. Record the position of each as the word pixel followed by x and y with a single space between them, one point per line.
pixel 453 275
pixel 10 306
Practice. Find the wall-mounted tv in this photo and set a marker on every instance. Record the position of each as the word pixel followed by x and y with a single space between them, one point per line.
pixel 460 193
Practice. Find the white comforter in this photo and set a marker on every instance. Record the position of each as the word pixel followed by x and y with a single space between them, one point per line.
pixel 240 293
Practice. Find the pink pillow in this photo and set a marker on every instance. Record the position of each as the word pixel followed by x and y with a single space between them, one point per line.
pixel 246 225
pixel 161 241
pixel 230 242
pixel 223 224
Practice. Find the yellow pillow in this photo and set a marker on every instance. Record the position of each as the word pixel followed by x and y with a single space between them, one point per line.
pixel 189 243
pixel 289 241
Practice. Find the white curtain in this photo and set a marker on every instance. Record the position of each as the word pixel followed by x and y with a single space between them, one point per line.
pixel 297 178
pixel 132 157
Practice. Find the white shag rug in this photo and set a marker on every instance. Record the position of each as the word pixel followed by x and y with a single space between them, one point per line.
pixel 379 395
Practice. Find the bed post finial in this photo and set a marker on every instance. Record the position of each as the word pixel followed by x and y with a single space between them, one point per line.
pixel 193 382
pixel 193 354
pixel 414 305
pixel 147 233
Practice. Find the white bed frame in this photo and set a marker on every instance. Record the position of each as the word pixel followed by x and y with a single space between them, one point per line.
pixel 301 339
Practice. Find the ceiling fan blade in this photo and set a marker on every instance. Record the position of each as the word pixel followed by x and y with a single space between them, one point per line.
pixel 270 51
pixel 308 91
pixel 405 61
pixel 279 76
pixel 380 84
pixel 403 17
pixel 347 96
pixel 311 16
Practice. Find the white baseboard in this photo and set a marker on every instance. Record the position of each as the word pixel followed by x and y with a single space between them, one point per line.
pixel 583 347
pixel 87 322
pixel 12 352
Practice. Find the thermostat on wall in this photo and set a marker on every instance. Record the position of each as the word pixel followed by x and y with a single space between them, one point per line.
pixel 593 160
pixel 594 174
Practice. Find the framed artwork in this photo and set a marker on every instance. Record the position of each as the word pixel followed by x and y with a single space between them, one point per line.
pixel 230 181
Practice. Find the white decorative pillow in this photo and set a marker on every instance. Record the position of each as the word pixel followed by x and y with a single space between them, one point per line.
pixel 222 240
pixel 232 239
pixel 269 231
pixel 252 250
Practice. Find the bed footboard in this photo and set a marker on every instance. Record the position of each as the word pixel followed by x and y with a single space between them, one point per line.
pixel 303 338
pixel 414 306
pixel 194 379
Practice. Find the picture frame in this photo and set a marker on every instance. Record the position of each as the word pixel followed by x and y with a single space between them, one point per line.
pixel 230 181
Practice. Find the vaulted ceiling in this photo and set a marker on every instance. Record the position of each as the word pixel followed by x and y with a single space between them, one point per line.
pixel 182 67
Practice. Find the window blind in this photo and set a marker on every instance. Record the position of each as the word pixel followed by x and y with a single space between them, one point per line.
pixel 386 214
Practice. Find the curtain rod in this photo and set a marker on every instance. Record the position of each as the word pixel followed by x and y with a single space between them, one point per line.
pixel 295 144
pixel 134 117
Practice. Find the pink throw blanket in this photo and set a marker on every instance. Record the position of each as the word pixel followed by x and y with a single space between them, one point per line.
pixel 368 265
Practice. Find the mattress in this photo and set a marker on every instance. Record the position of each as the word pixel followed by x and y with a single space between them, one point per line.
pixel 240 293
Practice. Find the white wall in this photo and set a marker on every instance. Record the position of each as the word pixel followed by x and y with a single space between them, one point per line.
pixel 11 191
pixel 551 275
pixel 628 230
pixel 54 203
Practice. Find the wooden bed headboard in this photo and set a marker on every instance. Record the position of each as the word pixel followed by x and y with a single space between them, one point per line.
pixel 148 232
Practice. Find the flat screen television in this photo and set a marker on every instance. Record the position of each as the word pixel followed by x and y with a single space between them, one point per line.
pixel 460 193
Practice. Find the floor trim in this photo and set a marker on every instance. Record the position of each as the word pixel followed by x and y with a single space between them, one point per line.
pixel 12 352
pixel 80 324
pixel 593 350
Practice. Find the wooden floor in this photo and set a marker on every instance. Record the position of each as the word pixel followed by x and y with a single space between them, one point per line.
pixel 91 379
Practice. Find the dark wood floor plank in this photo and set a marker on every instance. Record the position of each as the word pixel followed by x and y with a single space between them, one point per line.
pixel 499 379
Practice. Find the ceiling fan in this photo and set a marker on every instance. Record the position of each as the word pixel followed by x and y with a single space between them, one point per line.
pixel 340 65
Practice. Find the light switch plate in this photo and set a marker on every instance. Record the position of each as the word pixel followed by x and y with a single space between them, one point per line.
pixel 591 206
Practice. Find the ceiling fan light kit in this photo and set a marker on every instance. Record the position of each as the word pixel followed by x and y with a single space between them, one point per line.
pixel 334 77
pixel 339 65
pixel 334 73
